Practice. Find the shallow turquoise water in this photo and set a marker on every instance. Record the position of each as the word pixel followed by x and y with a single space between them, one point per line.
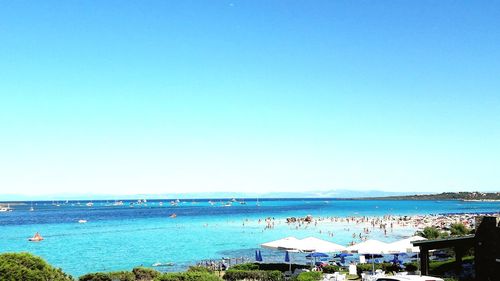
pixel 120 237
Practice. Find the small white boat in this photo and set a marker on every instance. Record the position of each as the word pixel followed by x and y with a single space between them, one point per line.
pixel 6 209
pixel 157 264
pixel 89 204
pixel 82 221
pixel 118 203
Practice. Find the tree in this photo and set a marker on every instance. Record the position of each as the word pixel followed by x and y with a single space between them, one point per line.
pixel 27 267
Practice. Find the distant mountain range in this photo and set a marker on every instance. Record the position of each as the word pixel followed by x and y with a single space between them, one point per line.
pixel 338 193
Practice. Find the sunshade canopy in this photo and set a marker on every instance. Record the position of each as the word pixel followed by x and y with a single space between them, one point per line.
pixel 309 244
pixel 369 247
pixel 288 243
pixel 404 245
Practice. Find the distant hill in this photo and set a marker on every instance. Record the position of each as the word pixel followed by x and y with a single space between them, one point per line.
pixel 467 196
pixel 337 193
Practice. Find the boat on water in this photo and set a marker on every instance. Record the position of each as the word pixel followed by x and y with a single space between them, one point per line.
pixel 158 264
pixel 118 203
pixel 173 216
pixel 6 209
pixel 82 221
pixel 89 204
pixel 228 204
pixel 36 238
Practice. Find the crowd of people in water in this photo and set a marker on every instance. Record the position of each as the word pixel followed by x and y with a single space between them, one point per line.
pixel 362 227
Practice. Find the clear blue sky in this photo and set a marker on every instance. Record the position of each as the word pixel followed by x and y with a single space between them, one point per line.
pixel 186 96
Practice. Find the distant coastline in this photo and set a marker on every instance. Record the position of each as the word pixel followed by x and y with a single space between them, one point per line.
pixel 448 196
pixel 472 196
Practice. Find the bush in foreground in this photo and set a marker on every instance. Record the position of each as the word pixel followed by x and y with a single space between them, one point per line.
pixel 309 276
pixel 200 269
pixel 145 274
pixel 95 277
pixel 27 267
pixel 245 266
pixel 188 276
pixel 262 275
pixel 330 269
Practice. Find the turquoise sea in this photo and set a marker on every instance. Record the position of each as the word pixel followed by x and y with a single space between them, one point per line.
pixel 122 237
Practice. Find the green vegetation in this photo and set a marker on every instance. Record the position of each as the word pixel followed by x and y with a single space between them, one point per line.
pixel 145 274
pixel 187 276
pixel 27 267
pixel 459 229
pixel 245 266
pixel 95 277
pixel 430 232
pixel 456 229
pixel 200 269
pixel 308 276
pixel 411 267
pixel 269 266
pixel 446 196
pixel 331 269
pixel 262 275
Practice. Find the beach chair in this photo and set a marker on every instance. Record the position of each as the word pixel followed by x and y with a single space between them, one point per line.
pixel 352 269
pixel 341 277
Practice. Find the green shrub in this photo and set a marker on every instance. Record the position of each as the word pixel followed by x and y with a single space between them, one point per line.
pixel 309 276
pixel 187 276
pixel 27 267
pixel 200 269
pixel 369 267
pixel 330 269
pixel 411 267
pixel 391 267
pixel 261 275
pixel 122 276
pixel 245 266
pixel 281 266
pixel 95 277
pixel 108 276
pixel 145 274
pixel 459 229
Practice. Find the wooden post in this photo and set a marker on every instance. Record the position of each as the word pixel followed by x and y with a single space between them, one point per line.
pixel 424 260
pixel 459 253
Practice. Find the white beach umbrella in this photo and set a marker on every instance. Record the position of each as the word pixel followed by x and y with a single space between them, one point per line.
pixel 369 247
pixel 405 245
pixel 313 244
pixel 288 243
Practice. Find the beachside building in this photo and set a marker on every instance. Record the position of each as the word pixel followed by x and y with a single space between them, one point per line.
pixel 485 244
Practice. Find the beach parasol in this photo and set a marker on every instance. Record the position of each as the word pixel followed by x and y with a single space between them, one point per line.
pixel 287 259
pixel 342 257
pixel 313 244
pixel 370 247
pixel 404 245
pixel 288 243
